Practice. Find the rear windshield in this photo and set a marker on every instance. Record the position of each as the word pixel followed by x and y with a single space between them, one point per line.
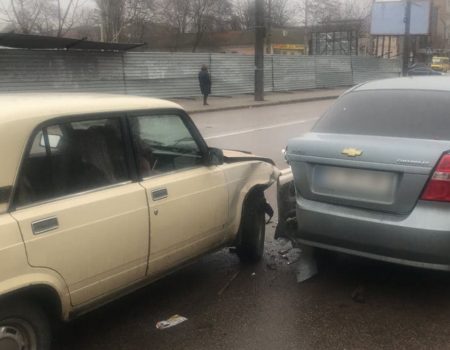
pixel 391 113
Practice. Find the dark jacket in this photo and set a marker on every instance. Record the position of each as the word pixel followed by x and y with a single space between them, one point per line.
pixel 205 82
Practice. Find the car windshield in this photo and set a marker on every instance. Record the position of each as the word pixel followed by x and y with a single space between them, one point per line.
pixel 392 113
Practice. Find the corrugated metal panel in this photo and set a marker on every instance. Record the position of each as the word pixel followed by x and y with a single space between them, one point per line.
pixel 371 68
pixel 164 74
pixel 232 74
pixel 333 71
pixel 175 75
pixel 294 72
pixel 268 73
pixel 22 70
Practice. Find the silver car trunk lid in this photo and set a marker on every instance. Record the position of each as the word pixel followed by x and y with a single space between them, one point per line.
pixel 374 172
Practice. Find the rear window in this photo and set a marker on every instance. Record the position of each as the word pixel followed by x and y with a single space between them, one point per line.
pixel 391 113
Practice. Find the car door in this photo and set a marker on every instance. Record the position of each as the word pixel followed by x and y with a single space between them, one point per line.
pixel 188 199
pixel 78 210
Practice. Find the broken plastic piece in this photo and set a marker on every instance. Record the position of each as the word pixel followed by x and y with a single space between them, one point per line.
pixel 171 322
pixel 285 251
pixel 307 265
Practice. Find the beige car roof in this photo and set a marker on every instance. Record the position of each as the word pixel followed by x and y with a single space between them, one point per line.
pixel 21 113
pixel 39 107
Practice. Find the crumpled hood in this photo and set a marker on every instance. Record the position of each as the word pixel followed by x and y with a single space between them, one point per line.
pixel 231 156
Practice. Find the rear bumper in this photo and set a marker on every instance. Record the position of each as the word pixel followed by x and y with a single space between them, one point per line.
pixel 421 238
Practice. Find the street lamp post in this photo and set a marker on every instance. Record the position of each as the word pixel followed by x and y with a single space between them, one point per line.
pixel 259 50
pixel 407 39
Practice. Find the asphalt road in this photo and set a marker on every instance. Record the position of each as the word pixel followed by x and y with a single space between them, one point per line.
pixel 231 306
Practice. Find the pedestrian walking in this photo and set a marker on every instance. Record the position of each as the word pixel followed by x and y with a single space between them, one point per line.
pixel 205 83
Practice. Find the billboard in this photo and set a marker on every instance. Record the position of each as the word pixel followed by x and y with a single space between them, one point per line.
pixel 388 17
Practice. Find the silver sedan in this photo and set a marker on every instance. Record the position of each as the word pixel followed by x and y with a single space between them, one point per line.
pixel 372 178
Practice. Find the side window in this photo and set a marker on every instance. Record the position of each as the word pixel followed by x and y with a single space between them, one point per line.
pixel 164 143
pixel 68 158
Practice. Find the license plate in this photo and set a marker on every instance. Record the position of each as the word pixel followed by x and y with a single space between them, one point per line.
pixel 357 184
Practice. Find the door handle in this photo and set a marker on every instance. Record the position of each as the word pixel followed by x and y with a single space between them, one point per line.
pixel 44 225
pixel 159 194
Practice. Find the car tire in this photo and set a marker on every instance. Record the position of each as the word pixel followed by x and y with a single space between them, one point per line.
pixel 23 325
pixel 250 248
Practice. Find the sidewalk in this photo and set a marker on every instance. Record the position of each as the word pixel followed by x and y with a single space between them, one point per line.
pixel 247 101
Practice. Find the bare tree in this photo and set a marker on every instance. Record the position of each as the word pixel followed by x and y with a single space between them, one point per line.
pixel 279 13
pixel 355 9
pixel 323 11
pixel 66 16
pixel 244 11
pixel 117 16
pixel 282 12
pixel 208 15
pixel 59 17
pixel 112 16
pixel 50 17
pixel 177 13
pixel 22 15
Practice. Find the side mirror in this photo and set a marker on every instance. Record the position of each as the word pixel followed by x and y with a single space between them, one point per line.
pixel 215 156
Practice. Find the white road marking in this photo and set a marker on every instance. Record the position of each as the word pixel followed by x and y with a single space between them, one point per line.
pixel 249 131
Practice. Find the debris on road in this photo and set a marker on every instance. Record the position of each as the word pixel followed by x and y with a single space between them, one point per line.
pixel 306 264
pixel 271 266
pixel 171 322
pixel 284 252
pixel 359 295
pixel 225 287
pixel 253 274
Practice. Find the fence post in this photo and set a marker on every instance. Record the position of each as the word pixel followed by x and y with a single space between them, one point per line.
pixel 315 72
pixel 273 73
pixel 351 68
pixel 210 67
pixel 124 75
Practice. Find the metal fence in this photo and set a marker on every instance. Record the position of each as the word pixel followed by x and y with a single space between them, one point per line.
pixel 175 75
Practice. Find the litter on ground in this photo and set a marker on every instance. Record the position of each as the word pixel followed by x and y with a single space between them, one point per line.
pixel 171 322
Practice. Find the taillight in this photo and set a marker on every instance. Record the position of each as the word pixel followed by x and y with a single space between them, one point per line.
pixel 438 187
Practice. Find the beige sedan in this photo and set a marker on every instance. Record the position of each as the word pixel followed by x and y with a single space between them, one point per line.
pixel 102 194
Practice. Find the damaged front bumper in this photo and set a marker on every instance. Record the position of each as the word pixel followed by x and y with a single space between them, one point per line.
pixel 306 266
pixel 287 225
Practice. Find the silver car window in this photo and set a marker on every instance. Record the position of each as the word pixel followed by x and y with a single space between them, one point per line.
pixel 391 113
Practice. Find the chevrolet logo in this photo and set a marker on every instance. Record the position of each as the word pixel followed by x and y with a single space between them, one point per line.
pixel 352 152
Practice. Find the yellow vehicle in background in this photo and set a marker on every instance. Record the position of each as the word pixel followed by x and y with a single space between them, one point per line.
pixel 440 64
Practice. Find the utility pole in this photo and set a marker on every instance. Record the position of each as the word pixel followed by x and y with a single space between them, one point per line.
pixel 306 28
pixel 407 38
pixel 259 50
pixel 269 29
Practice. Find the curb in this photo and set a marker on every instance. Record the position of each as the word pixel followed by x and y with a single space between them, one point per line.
pixel 263 104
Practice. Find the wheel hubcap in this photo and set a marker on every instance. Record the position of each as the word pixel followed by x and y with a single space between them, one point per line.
pixel 17 335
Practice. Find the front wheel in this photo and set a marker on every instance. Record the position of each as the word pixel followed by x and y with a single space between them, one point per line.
pixel 250 247
pixel 23 326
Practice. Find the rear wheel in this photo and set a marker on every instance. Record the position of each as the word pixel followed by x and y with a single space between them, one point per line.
pixel 23 326
pixel 250 247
